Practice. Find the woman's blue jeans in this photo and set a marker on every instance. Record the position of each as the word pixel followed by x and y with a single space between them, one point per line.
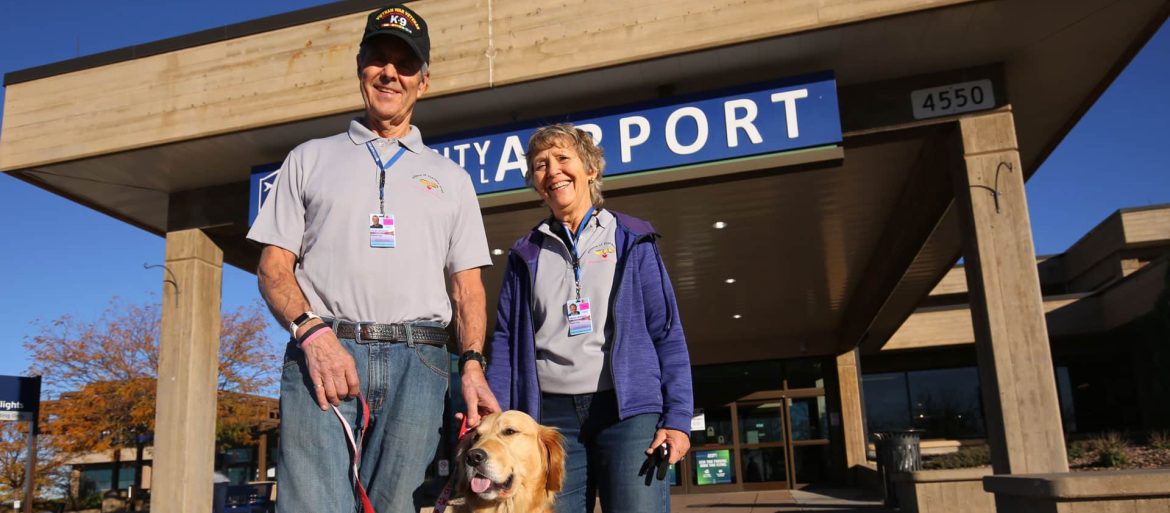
pixel 604 455
pixel 405 387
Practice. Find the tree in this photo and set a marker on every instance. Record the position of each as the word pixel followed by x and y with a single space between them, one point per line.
pixel 101 376
pixel 14 452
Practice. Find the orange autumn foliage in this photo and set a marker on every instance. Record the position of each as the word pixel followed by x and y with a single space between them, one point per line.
pixel 100 376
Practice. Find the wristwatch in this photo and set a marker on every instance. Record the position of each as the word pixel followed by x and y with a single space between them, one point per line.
pixel 472 355
pixel 300 321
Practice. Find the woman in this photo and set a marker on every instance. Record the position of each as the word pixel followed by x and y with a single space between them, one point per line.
pixel 588 338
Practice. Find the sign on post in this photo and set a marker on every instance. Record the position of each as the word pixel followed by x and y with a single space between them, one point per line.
pixel 20 397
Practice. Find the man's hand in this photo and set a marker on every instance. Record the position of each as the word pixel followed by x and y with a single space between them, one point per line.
pixel 476 394
pixel 331 367
pixel 679 443
pixel 332 370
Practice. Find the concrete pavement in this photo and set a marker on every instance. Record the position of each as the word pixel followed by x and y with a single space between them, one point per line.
pixel 823 500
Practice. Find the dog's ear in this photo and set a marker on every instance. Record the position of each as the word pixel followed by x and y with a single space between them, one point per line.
pixel 554 448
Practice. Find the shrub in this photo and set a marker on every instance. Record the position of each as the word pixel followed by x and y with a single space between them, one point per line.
pixel 965 457
pixel 1079 449
pixel 1111 450
pixel 1160 439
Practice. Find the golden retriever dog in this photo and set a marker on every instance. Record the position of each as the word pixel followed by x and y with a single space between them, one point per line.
pixel 508 464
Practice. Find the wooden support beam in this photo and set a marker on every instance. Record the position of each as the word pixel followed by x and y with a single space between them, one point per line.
pixel 188 368
pixel 852 418
pixel 1022 410
pixel 912 221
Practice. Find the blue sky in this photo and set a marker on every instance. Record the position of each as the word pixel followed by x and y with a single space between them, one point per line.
pixel 1114 158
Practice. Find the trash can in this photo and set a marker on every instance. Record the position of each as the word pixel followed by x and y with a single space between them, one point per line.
pixel 897 451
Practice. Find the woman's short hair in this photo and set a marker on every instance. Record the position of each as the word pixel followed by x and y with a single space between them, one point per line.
pixel 565 135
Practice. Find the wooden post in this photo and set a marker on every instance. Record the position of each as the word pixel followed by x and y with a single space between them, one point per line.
pixel 188 367
pixel 262 458
pixel 1011 338
pixel 852 419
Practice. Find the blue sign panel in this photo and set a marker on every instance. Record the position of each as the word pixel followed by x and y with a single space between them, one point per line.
pixel 758 119
pixel 752 120
pixel 262 180
pixel 19 395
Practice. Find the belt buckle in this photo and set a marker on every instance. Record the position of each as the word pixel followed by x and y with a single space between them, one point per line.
pixel 357 331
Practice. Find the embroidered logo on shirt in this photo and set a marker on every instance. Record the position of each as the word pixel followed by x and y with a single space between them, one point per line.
pixel 602 253
pixel 428 183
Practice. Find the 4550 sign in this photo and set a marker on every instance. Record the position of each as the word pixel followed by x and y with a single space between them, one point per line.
pixel 952 99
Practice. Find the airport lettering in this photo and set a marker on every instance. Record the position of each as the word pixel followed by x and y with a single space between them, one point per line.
pixel 754 120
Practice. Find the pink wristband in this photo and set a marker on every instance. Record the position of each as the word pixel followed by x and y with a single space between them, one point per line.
pixel 316 334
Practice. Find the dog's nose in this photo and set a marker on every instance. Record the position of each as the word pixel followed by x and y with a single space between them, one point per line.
pixel 475 457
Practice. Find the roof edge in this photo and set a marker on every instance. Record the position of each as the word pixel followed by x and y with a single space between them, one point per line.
pixel 203 37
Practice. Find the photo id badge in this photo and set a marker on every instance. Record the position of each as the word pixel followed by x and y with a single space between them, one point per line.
pixel 580 319
pixel 382 233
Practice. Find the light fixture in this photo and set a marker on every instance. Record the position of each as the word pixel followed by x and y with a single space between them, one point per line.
pixel 737 316
pixel 497 252
pixel 729 280
pixel 719 225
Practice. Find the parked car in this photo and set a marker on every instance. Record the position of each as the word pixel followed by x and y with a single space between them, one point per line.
pixel 256 497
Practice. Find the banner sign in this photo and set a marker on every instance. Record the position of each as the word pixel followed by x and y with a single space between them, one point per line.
pixel 713 467
pixel 20 397
pixel 757 119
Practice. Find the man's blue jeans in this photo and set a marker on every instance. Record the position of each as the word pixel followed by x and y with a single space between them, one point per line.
pixel 603 455
pixel 405 387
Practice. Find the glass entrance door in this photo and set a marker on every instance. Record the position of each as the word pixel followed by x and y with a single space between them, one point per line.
pixel 783 442
pixel 763 445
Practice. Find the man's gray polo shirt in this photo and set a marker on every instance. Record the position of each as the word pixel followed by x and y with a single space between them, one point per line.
pixel 320 210
pixel 577 364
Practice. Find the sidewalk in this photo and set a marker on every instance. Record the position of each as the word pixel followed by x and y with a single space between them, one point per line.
pixel 824 500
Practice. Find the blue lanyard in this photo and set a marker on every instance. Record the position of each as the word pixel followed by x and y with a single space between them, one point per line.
pixel 382 172
pixel 573 248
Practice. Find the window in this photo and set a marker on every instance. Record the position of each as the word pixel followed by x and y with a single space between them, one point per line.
pixel 944 403
pixel 887 403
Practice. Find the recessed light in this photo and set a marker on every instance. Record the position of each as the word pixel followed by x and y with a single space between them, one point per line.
pixel 719 225
pixel 737 316
pixel 729 280
pixel 497 252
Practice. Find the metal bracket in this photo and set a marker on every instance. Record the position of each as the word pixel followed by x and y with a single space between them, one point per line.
pixel 995 190
pixel 172 280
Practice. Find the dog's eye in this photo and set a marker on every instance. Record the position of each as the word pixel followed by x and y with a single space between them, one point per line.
pixel 509 432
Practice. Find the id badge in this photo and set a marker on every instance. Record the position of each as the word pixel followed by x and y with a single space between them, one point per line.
pixel 580 318
pixel 382 233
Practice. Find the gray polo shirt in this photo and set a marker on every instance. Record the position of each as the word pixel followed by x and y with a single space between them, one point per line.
pixel 577 364
pixel 320 210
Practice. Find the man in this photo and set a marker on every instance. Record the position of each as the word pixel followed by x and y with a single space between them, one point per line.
pixel 367 306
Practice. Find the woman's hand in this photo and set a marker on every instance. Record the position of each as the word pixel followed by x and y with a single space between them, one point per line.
pixel 679 443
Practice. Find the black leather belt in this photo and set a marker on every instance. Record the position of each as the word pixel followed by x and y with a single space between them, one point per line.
pixel 407 333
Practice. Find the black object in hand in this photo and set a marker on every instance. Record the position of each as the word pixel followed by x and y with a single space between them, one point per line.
pixel 663 453
pixel 657 464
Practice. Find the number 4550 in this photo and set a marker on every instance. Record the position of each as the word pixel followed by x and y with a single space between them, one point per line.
pixel 952 99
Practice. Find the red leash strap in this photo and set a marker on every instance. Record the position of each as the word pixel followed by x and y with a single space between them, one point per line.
pixel 445 495
pixel 355 450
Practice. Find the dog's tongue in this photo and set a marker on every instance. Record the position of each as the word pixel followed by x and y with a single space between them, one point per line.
pixel 480 484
